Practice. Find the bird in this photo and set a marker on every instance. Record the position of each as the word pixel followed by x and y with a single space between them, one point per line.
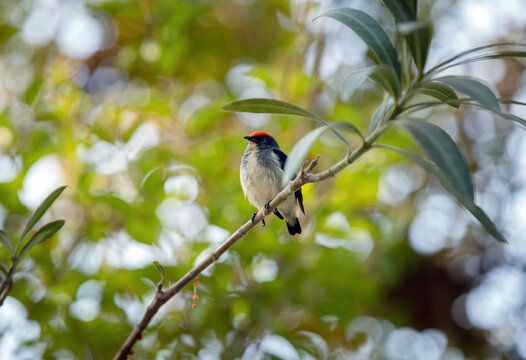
pixel 261 172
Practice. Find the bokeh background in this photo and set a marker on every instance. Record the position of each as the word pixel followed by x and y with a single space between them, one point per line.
pixel 120 100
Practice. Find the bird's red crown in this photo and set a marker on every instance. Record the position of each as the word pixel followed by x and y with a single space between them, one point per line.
pixel 257 133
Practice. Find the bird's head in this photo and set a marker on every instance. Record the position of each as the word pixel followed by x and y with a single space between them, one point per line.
pixel 261 139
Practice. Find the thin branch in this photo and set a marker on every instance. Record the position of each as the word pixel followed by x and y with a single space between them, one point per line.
pixel 7 283
pixel 305 176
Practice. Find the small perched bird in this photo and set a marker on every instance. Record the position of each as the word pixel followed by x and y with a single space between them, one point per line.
pixel 261 173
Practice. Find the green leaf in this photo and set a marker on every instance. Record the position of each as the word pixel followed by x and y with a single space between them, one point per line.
pixel 489 56
pixel 400 10
pixel 488 224
pixel 386 78
pixel 354 81
pixel 300 151
pixel 412 6
pixel 418 37
pixel 33 90
pixel 474 89
pixel 446 64
pixel 268 106
pixel 160 269
pixel 40 236
pixel 39 212
pixel 439 91
pixel 271 106
pixel 345 125
pixel 371 32
pixel 6 240
pixel 379 114
pixel 479 214
pixel 444 153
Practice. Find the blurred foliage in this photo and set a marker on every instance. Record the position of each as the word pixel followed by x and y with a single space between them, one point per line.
pixel 151 163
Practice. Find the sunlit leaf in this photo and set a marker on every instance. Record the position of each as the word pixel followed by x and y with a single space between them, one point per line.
pixel 39 212
pixel 160 269
pixel 439 91
pixel 444 153
pixel 268 106
pixel 33 90
pixel 371 32
pixel 418 37
pixel 477 212
pixel 6 240
pixel 271 106
pixel 44 233
pixel 386 78
pixel 474 89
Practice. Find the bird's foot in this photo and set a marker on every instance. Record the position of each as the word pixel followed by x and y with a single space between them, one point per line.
pixel 254 216
pixel 267 208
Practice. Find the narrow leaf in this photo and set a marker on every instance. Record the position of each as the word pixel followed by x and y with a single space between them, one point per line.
pixel 479 214
pixel 386 78
pixel 345 125
pixel 399 9
pixel 268 106
pixel 160 269
pixel 488 224
pixel 272 106
pixel 354 81
pixel 6 240
pixel 299 152
pixel 412 6
pixel 439 91
pixel 445 64
pixel 474 89
pixel 489 56
pixel 41 235
pixel 371 32
pixel 418 37
pixel 444 153
pixel 379 114
pixel 39 212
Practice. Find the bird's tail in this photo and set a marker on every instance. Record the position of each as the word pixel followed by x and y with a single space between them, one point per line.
pixel 294 226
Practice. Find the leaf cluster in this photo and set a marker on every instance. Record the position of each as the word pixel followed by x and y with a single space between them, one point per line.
pixel 405 81
pixel 20 251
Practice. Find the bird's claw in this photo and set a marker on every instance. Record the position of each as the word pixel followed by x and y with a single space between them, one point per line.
pixel 267 207
pixel 254 216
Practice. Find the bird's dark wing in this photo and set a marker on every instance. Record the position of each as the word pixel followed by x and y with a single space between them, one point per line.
pixel 299 198
pixel 282 157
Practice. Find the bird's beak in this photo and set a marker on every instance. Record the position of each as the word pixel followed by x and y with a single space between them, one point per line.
pixel 249 138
